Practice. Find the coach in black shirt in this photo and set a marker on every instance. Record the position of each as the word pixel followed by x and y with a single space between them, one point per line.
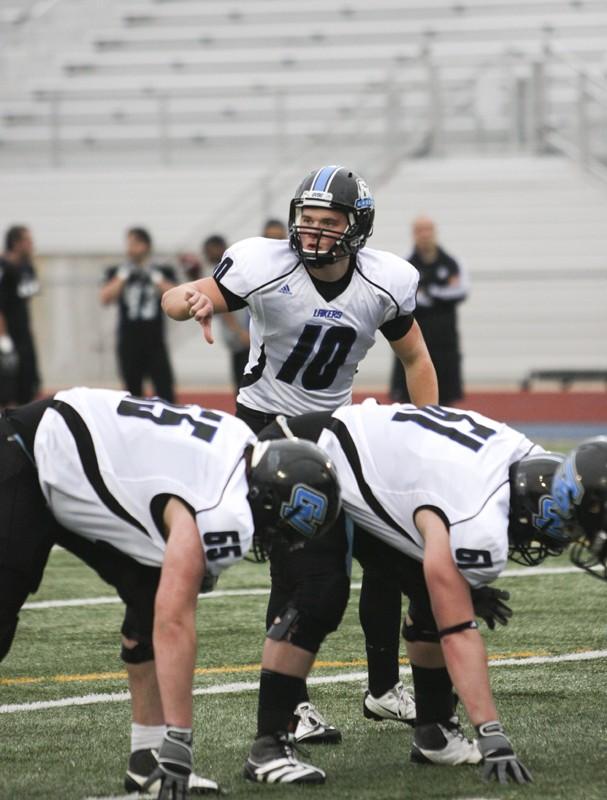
pixel 137 286
pixel 18 283
pixel 442 285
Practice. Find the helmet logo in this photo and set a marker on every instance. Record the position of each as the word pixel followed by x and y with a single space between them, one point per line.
pixel 567 489
pixel 365 198
pixel 306 510
pixel 310 194
pixel 548 520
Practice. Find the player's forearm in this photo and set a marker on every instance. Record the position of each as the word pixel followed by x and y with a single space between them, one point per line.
pixel 466 661
pixel 111 291
pixel 175 653
pixel 421 380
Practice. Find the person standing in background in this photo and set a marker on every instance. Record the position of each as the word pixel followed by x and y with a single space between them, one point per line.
pixel 18 283
pixel 442 285
pixel 137 286
pixel 235 325
pixel 274 229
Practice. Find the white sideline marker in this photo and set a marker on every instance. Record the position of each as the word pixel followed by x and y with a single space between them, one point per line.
pixel 250 686
pixel 524 572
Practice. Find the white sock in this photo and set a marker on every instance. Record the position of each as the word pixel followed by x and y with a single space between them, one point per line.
pixel 146 737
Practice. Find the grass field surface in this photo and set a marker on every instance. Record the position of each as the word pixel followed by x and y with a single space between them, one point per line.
pixel 554 710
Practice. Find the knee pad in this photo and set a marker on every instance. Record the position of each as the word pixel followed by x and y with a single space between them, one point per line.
pixel 302 629
pixel 142 652
pixel 420 630
pixel 414 633
pixel 299 629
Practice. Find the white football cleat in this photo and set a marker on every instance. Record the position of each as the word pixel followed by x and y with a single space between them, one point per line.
pixel 396 704
pixel 313 728
pixel 272 759
pixel 444 743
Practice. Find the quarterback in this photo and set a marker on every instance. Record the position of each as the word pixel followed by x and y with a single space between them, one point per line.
pixel 317 301
pixel 450 495
pixel 155 497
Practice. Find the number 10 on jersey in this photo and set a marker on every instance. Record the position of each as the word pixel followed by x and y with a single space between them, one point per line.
pixel 321 370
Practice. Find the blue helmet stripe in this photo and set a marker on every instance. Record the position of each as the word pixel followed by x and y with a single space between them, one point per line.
pixel 323 177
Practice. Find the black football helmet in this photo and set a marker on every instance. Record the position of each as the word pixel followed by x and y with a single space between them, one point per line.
pixel 580 493
pixel 535 530
pixel 293 492
pixel 340 189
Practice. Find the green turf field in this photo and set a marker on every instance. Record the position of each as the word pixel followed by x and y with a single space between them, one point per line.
pixel 554 711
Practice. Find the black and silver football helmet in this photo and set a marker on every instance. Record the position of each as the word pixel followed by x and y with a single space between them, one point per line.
pixel 535 530
pixel 293 492
pixel 580 493
pixel 340 189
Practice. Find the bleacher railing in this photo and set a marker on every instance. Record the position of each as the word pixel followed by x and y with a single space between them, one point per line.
pixel 420 106
pixel 583 136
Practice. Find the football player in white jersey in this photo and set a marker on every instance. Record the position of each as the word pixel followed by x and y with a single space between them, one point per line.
pixel 451 495
pixel 317 302
pixel 580 493
pixel 154 497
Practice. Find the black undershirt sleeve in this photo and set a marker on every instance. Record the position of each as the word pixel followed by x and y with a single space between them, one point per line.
pixel 396 328
pixel 232 300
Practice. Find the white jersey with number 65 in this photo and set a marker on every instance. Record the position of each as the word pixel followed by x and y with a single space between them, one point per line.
pixel 394 460
pixel 108 464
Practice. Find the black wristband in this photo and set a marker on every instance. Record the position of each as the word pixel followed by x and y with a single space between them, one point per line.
pixel 471 625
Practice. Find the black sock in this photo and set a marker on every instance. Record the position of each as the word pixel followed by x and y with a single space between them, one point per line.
pixel 382 667
pixel 434 698
pixel 380 617
pixel 278 696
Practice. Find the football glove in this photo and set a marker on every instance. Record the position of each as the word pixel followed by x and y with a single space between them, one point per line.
pixel 500 762
pixel 489 605
pixel 174 765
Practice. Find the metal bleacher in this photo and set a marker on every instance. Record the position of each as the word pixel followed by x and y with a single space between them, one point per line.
pixel 168 79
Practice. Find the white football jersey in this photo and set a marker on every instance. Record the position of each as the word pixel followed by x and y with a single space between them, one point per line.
pixel 393 460
pixel 305 350
pixel 107 463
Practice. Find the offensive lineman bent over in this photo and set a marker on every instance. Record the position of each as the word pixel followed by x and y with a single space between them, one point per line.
pixel 451 495
pixel 152 496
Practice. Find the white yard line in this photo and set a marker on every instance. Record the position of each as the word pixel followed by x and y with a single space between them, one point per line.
pixel 101 601
pixel 250 686
pixel 524 572
pixel 132 796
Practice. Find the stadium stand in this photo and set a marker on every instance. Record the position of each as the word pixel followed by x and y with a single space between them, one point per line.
pixel 172 80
